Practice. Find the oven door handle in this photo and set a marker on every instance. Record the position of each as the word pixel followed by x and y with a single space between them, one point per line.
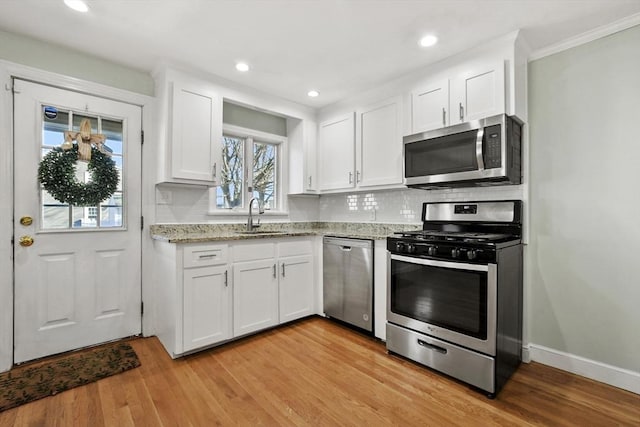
pixel 444 264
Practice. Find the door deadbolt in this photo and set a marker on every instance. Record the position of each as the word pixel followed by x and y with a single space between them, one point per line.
pixel 26 221
pixel 26 241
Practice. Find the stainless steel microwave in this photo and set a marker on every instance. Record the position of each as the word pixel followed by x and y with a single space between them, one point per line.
pixel 480 152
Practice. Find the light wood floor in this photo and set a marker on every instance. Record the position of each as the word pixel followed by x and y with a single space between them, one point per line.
pixel 318 373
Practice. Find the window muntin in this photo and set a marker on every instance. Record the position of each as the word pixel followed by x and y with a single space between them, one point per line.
pixel 56 216
pixel 251 164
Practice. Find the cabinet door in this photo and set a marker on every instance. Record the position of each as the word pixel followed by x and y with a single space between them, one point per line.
pixel 311 156
pixel 301 135
pixel 380 144
pixel 296 287
pixel 430 106
pixel 207 307
pixel 337 153
pixel 255 296
pixel 196 136
pixel 478 93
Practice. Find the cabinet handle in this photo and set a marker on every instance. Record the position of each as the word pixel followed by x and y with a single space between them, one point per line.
pixel 226 278
pixel 283 269
pixel 444 117
pixel 274 271
pixel 214 170
pixel 207 256
pixel 357 176
pixel 461 112
pixel 309 181
pixel 350 177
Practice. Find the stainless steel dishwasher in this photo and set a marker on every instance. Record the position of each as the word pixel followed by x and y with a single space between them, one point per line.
pixel 348 281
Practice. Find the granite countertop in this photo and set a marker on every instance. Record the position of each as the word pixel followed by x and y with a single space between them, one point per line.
pixel 195 233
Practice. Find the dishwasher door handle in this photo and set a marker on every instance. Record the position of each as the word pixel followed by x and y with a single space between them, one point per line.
pixel 345 248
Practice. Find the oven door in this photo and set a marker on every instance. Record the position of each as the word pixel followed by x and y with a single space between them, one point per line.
pixel 453 301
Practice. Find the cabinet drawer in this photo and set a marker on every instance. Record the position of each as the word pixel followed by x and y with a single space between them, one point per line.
pixel 200 256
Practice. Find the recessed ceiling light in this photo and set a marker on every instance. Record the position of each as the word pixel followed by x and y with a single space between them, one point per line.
pixel 313 93
pixel 77 5
pixel 429 40
pixel 241 66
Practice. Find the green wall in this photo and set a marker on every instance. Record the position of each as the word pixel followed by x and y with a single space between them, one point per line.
pixel 252 119
pixel 584 271
pixel 50 57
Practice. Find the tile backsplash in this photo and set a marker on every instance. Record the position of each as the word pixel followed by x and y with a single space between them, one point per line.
pixel 190 205
pixel 403 205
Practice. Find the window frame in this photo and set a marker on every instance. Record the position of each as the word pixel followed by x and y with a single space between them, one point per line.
pixel 122 190
pixel 281 172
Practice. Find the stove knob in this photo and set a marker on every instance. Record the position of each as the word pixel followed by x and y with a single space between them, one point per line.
pixel 399 247
pixel 472 254
pixel 455 253
pixel 411 248
pixel 432 251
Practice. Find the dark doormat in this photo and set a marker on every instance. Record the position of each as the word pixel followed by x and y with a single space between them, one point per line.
pixel 41 379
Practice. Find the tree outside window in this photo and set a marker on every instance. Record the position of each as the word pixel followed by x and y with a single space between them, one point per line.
pixel 261 177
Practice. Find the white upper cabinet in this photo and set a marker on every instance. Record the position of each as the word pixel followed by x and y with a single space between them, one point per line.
pixel 302 138
pixel 196 134
pixel 369 155
pixel 379 156
pixel 337 153
pixel 478 92
pixel 430 106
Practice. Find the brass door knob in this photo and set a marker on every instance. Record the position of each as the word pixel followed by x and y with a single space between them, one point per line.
pixel 26 221
pixel 26 241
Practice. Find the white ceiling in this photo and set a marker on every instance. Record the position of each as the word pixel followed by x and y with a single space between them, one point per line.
pixel 339 47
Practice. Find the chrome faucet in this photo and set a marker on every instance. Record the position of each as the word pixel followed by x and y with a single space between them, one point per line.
pixel 250 224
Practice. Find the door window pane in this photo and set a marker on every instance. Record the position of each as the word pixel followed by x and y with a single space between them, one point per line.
pixel 84 217
pixel 109 214
pixel 229 193
pixel 264 174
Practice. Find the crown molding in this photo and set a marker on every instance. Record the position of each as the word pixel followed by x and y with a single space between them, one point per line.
pixel 586 37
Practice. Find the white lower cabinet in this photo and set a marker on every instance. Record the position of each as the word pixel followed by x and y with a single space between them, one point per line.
pixel 296 287
pixel 275 289
pixel 210 293
pixel 255 296
pixel 206 306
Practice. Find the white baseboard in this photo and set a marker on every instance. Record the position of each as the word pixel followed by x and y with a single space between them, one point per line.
pixel 598 371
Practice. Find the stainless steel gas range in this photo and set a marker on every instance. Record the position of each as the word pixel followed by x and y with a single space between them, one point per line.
pixel 455 291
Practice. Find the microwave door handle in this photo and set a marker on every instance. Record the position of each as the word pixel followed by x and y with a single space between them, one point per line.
pixel 479 156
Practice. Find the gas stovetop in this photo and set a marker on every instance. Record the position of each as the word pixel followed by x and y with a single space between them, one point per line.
pixel 455 236
pixel 470 231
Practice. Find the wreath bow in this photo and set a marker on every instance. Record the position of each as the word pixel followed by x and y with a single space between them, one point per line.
pixel 85 140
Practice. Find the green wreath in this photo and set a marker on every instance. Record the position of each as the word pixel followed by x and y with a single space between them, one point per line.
pixel 57 175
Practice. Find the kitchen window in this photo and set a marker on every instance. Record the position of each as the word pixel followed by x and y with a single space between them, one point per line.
pixel 251 168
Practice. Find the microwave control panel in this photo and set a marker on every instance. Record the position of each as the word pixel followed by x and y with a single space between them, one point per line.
pixel 492 147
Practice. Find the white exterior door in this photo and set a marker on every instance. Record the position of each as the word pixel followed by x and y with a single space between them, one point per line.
pixel 79 283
